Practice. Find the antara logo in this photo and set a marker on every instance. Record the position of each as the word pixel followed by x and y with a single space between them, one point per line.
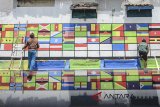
pixel 98 96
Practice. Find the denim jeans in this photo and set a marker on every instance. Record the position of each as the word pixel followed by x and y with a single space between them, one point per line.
pixel 31 59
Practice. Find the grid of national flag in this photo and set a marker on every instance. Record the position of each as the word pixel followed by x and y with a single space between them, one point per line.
pixel 81 36
pixel 82 80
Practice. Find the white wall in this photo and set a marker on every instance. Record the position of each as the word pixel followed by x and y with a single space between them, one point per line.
pixel 61 13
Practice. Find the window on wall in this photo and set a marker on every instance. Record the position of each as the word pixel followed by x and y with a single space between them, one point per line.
pixel 35 3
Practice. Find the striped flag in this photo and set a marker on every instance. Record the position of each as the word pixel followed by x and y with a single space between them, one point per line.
pixel 56 27
pixel 44 47
pixel 80 46
pixel 145 78
pixel 154 40
pixel 4 86
pixel 94 27
pixel 44 34
pixel 80 40
pixel 54 86
pixel 44 40
pixel 93 34
pixel 68 40
pixel 67 73
pixel 68 86
pixel 32 27
pixel 68 79
pixel 117 39
pixel 55 47
pixel 142 33
pixel 68 34
pixel 154 26
pixel 68 27
pixel 8 27
pixel 93 40
pixel 44 27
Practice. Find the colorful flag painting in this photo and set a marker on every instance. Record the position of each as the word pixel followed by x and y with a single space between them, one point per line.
pixel 80 85
pixel 55 86
pixel 29 86
pixel 93 78
pixel 154 40
pixel 44 34
pixel 7 27
pixel 81 27
pixel 68 33
pixel 55 47
pixel 19 33
pixel 94 27
pixel 44 27
pixel 68 86
pixel 142 26
pixel 117 27
pixel 130 40
pixel 105 33
pixel 20 27
pixel 68 79
pixel 56 27
pixel 35 33
pixel 93 40
pixel 95 85
pixel 32 27
pixel 105 27
pixel 42 86
pixel 142 33
pixel 139 39
pixel 68 40
pixel 81 79
pixel 42 79
pixel 6 34
pixel 67 73
pixel 120 78
pixel 44 40
pixel 146 85
pixel 154 26
pixel 146 78
pixel 106 85
pixel 105 40
pixel 154 33
pixel 93 73
pixel 55 79
pixel 68 27
pixel 6 47
pixel 130 33
pixel 130 27
pixel 118 33
pixel 120 85
pixel 117 39
pixel 93 34
pixel 80 40
pixel 81 34
pixel 67 47
pixel 4 79
pixel 80 46
pixel 56 40
pixel 4 86
pixel 44 47
pixel 133 85
pixel 56 34
pixel 132 78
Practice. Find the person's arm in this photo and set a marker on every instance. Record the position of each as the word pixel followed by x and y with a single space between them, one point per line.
pixel 25 46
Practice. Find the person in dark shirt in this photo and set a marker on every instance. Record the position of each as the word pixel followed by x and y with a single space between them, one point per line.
pixel 32 45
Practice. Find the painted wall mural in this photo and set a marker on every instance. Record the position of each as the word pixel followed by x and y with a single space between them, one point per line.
pixel 82 80
pixel 82 40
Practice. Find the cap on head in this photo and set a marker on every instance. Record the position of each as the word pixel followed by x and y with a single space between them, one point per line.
pixel 143 40
pixel 32 35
